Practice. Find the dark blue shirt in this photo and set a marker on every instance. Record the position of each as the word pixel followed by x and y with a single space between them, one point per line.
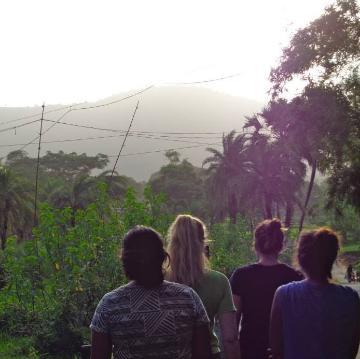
pixel 319 321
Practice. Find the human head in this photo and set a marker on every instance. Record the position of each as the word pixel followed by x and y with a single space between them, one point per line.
pixel 187 237
pixel 143 256
pixel 317 251
pixel 269 237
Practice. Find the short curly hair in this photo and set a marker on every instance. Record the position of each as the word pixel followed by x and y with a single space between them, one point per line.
pixel 317 251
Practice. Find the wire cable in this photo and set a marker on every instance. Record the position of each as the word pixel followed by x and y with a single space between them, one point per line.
pixel 206 81
pixel 136 135
pixel 18 126
pixel 119 100
pixel 165 149
pixel 47 130
pixel 123 131
pixel 72 108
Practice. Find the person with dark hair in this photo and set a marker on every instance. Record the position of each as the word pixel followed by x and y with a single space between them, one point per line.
pixel 253 287
pixel 149 317
pixel 315 318
pixel 349 273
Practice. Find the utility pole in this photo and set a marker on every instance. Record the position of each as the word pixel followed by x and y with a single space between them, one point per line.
pixel 37 166
pixel 123 143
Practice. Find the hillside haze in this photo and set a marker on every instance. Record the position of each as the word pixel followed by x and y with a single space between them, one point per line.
pixel 161 110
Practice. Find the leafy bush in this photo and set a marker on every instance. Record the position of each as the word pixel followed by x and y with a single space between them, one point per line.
pixel 231 246
pixel 54 281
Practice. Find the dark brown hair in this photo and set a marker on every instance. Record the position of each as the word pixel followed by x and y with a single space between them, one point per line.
pixel 269 236
pixel 317 251
pixel 143 256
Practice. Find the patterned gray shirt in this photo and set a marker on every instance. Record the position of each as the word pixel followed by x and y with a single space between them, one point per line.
pixel 150 323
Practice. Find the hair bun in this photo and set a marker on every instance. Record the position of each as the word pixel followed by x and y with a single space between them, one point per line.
pixel 275 225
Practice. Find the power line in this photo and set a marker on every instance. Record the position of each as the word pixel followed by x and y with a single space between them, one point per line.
pixel 123 131
pixel 167 149
pixel 119 100
pixel 71 107
pixel 206 81
pixel 162 137
pixel 198 144
pixel 115 101
pixel 150 137
pixel 123 144
pixel 47 130
pixel 18 126
pixel 86 108
pixel 39 114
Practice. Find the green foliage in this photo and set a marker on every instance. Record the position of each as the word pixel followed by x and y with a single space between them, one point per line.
pixel 17 348
pixel 326 54
pixel 71 165
pixel 15 212
pixel 148 212
pixel 329 44
pixel 229 173
pixel 231 246
pixel 183 185
pixel 54 281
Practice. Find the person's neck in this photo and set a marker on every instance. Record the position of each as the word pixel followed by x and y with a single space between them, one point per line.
pixel 268 260
pixel 317 281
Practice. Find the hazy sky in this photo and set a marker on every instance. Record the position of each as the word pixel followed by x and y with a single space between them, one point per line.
pixel 62 51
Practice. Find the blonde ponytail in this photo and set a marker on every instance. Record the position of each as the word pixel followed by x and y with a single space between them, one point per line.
pixel 188 262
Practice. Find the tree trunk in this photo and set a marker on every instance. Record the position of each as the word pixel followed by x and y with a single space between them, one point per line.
pixel 268 206
pixel 278 214
pixel 308 194
pixel 289 212
pixel 232 208
pixel 4 227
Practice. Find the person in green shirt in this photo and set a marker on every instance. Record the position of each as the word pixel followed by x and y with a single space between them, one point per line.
pixel 189 266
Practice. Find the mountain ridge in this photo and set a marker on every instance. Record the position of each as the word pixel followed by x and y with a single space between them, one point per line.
pixel 162 112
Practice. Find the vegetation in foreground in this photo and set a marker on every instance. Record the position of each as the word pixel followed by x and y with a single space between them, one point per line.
pixel 53 275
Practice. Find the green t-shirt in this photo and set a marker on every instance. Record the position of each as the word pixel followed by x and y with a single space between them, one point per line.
pixel 215 293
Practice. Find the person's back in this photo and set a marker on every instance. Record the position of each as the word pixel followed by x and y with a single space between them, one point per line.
pixel 315 319
pixel 215 293
pixel 188 265
pixel 150 323
pixel 254 286
pixel 149 317
pixel 325 312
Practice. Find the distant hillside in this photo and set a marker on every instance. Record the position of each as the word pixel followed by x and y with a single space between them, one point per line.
pixel 164 109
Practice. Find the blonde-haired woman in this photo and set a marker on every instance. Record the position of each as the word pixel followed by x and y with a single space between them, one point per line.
pixel 189 266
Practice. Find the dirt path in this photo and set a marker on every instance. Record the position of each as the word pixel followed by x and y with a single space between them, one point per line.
pixel 339 275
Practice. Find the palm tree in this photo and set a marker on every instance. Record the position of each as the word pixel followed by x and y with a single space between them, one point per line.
pixel 82 190
pixel 15 204
pixel 315 126
pixel 227 169
pixel 75 195
pixel 277 173
pixel 116 184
